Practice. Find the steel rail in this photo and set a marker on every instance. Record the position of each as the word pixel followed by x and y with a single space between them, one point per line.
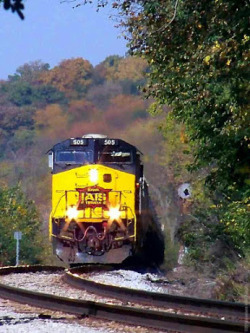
pixel 30 269
pixel 128 315
pixel 152 298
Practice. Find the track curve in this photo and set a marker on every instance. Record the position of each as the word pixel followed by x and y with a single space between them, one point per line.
pixel 149 318
pixel 72 277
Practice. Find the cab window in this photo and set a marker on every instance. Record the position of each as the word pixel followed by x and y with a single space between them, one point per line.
pixel 121 157
pixel 74 157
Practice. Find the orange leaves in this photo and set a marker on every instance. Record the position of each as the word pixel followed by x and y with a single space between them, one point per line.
pixel 71 76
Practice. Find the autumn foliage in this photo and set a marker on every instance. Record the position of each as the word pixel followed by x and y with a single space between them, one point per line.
pixel 71 76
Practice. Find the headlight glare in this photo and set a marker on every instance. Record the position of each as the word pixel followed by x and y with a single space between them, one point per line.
pixel 114 213
pixel 72 213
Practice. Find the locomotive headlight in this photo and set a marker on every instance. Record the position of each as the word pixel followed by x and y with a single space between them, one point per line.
pixel 93 175
pixel 114 213
pixel 72 213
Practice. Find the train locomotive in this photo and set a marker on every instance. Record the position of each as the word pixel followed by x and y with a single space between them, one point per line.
pixel 101 210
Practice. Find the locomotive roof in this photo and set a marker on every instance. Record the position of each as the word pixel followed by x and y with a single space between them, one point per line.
pixel 102 139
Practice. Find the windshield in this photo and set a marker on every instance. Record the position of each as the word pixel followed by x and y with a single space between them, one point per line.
pixel 115 157
pixel 74 157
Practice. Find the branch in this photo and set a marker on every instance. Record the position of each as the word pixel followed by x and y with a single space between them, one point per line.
pixel 172 19
pixel 15 6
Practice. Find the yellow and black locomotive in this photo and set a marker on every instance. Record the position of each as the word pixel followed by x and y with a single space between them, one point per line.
pixel 100 204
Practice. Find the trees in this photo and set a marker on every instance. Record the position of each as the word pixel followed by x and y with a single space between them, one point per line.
pixel 23 88
pixel 198 53
pixel 29 72
pixel 107 69
pixel 19 214
pixel 71 76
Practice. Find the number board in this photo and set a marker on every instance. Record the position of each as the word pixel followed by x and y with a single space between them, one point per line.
pixel 109 142
pixel 78 142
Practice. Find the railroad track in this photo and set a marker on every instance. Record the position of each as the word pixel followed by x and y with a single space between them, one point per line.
pixel 73 277
pixel 129 315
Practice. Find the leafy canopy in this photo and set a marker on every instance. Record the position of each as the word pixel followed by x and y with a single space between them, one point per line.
pixel 198 52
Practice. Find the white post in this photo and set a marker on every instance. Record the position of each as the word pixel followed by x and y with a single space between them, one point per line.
pixel 17 236
pixel 17 252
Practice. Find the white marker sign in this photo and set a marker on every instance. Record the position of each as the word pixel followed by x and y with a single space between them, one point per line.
pixel 184 191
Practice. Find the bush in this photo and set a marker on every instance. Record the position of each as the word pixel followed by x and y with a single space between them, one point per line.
pixel 17 213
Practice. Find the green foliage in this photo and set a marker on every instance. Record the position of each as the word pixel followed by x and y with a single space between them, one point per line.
pixel 177 153
pixel 198 53
pixel 19 214
pixel 236 219
pixel 198 66
pixel 206 239
pixel 47 94
pixel 21 93
pixel 102 71
pixel 217 232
